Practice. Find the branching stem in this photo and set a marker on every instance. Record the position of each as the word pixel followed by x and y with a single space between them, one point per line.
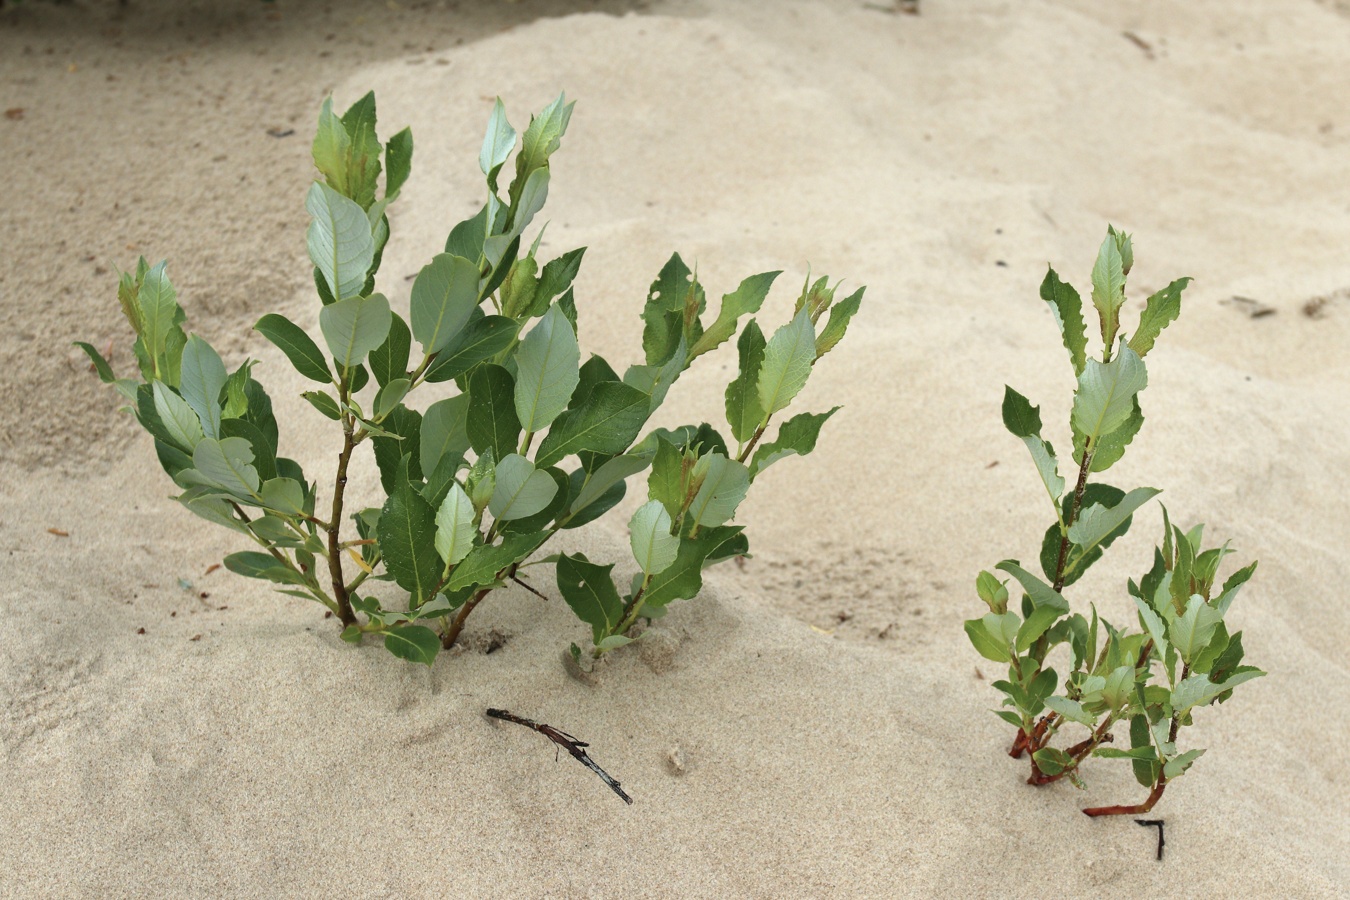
pixel 340 592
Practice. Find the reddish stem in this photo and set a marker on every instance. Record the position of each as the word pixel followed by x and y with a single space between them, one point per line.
pixel 1144 807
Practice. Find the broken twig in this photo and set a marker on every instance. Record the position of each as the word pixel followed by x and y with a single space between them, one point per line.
pixel 567 742
pixel 1159 824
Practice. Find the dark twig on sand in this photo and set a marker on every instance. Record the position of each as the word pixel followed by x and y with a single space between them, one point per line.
pixel 1159 824
pixel 567 742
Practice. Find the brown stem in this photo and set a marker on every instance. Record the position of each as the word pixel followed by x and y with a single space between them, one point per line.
pixel 1078 752
pixel 457 623
pixel 1073 513
pixel 340 594
pixel 754 439
pixel 1144 807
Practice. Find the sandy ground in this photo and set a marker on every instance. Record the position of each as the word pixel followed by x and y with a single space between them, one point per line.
pixel 815 724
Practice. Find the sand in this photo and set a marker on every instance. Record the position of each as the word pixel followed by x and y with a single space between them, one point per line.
pixel 815 723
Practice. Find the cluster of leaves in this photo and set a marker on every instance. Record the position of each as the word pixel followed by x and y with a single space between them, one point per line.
pixel 471 495
pixel 1183 656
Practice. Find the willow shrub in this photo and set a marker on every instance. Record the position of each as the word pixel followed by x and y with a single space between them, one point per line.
pixel 1149 683
pixel 520 439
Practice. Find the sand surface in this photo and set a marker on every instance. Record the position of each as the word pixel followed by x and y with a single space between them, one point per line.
pixel 815 724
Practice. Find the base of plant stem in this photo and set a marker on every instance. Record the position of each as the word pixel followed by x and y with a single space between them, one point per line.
pixel 457 623
pixel 1138 809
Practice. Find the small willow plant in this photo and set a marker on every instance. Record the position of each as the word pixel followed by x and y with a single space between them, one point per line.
pixel 1150 682
pixel 476 481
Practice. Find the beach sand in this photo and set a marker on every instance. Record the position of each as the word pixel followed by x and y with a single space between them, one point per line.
pixel 815 723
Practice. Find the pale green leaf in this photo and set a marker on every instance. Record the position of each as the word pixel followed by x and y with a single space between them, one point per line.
pixel 340 241
pixel 521 489
pixel 654 547
pixel 227 463
pixel 787 363
pixel 1159 312
pixel 444 295
pixel 1104 400
pixel 747 298
pixel 1108 288
pixel 180 421
pixel 744 412
pixel 1067 308
pixel 444 430
pixel 355 326
pixel 498 143
pixel 454 526
pixel 547 370
pixel 724 487
pixel 1097 521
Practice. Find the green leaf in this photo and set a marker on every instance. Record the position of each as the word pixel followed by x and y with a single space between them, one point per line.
pixel 285 495
pixel 415 643
pixel 1041 594
pixel 1067 308
pixel 542 137
pixel 993 634
pixel 1119 689
pixel 1052 760
pixel 397 162
pixel 444 295
pixel 744 412
pixel 604 478
pixel 492 412
pixel 547 370
pixel 608 421
pixel 355 326
pixel 1232 586
pixel 1019 416
pixel 1177 766
pixel 663 313
pixel 556 278
pixel 787 363
pixel 402 437
pixel 589 590
pixel 747 298
pixel 389 361
pixel 454 526
pixel 407 536
pixel 180 422
pixel 252 564
pixel 1108 288
pixel 481 339
pixel 1104 400
pixel 1071 710
pixel 498 143
pixel 484 563
pixel 1159 312
pixel 227 463
pixel 1095 492
pixel 444 430
pixel 1199 690
pixel 992 591
pixel 683 579
pixel 522 490
pixel 1191 632
pixel 724 487
pixel 264 451
pixel 341 244
pixel 466 238
pixel 654 547
pixel 835 327
pixel 1098 521
pixel 324 403
pixel 158 304
pixel 1140 753
pixel 299 348
pixel 797 435
pixel 390 395
pixel 1110 447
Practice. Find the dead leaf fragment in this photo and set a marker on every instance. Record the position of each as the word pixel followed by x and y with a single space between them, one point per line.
pixel 14 113
pixel 58 532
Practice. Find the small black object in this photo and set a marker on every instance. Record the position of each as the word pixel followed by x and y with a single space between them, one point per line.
pixel 279 133
pixel 566 742
pixel 1159 824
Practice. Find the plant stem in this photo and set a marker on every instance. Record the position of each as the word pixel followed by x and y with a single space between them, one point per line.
pixel 754 439
pixel 1073 513
pixel 457 623
pixel 1144 807
pixel 340 592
